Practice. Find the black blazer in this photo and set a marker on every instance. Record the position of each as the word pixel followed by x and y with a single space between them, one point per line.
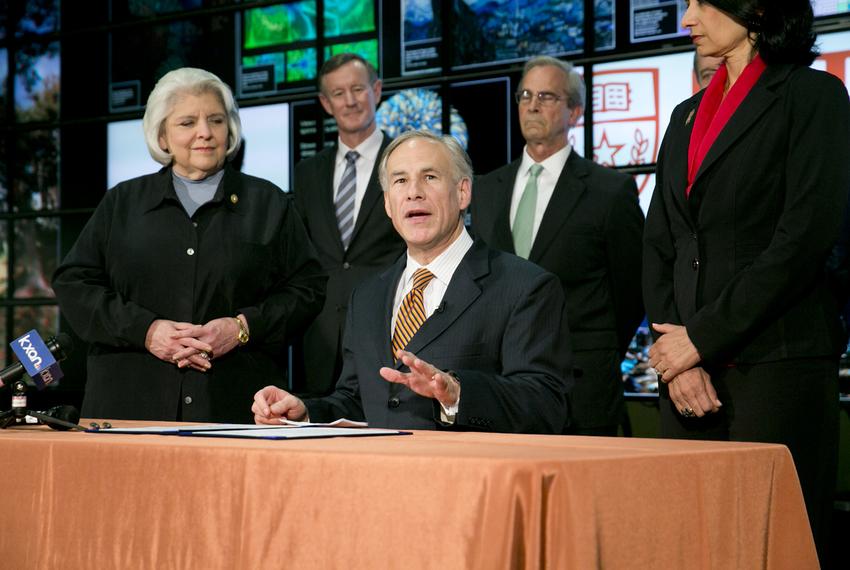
pixel 499 328
pixel 741 261
pixel 590 237
pixel 374 246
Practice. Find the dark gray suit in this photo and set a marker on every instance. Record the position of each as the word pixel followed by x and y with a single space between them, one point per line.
pixel 590 237
pixel 374 246
pixel 500 328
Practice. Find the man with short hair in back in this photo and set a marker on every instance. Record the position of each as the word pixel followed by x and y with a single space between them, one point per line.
pixel 578 220
pixel 339 198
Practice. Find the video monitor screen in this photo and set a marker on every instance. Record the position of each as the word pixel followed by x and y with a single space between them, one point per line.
pixel 367 49
pixel 36 257
pixel 127 10
pixel 835 55
pixel 4 75
pixel 4 18
pixel 279 45
pixel 344 17
pixel 36 170
pixel 830 7
pixel 632 102
pixel 141 56
pixel 39 17
pixel 37 82
pixel 656 20
pixel 488 32
pixel 265 151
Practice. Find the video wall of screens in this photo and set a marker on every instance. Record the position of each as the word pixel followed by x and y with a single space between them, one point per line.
pixel 651 20
pixel 479 117
pixel 632 103
pixel 278 46
pixel 139 59
pixel 490 32
pixel 265 147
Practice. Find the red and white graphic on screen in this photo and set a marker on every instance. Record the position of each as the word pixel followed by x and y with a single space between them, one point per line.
pixel 625 108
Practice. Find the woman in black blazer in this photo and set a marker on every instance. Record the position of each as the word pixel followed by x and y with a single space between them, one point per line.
pixel 753 178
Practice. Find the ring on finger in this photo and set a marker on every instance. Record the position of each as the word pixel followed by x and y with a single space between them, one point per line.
pixel 688 412
pixel 205 355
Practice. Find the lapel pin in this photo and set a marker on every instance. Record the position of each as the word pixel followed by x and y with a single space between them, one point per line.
pixel 690 116
pixel 234 198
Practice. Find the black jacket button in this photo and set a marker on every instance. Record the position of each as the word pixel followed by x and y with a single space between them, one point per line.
pixel 394 403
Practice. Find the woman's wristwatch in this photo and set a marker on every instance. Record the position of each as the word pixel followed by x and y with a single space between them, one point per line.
pixel 243 337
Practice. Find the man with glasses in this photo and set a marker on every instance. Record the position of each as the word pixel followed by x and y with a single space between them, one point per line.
pixel 339 198
pixel 578 220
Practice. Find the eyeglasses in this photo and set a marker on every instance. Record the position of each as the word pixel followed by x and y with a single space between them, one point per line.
pixel 525 96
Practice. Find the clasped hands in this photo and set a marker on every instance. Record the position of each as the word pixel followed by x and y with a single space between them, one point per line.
pixel 187 344
pixel 675 359
pixel 272 403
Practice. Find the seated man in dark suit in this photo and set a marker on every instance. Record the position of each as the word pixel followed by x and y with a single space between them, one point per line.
pixel 454 334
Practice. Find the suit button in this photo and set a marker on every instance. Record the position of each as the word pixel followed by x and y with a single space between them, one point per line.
pixel 188 399
pixel 393 403
pixel 346 265
pixel 693 236
pixel 695 264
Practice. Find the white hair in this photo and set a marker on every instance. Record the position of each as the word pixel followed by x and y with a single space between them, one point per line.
pixel 173 85
pixel 461 165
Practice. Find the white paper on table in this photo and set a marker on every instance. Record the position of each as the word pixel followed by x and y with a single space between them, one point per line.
pixel 297 433
pixel 342 422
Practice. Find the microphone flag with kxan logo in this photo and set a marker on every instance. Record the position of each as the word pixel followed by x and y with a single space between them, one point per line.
pixel 37 359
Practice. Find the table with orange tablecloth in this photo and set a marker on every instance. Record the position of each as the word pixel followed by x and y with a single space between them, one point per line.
pixel 426 500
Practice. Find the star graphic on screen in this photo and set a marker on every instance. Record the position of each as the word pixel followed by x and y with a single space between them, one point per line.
pixel 604 153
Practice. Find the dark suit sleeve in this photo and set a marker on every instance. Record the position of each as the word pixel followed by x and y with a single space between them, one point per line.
pixel 624 231
pixel 96 311
pixel 345 401
pixel 529 396
pixel 816 186
pixel 659 253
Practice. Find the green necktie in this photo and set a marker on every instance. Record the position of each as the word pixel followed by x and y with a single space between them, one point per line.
pixel 524 221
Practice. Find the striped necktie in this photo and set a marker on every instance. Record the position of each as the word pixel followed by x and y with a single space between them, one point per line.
pixel 523 229
pixel 344 202
pixel 411 314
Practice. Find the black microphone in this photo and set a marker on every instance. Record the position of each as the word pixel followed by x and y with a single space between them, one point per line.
pixel 67 414
pixel 440 308
pixel 59 345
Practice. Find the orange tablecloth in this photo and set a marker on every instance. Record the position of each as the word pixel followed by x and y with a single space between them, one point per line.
pixel 427 500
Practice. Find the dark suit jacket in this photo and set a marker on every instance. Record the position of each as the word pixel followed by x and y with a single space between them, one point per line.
pixel 590 237
pixel 741 261
pixel 499 329
pixel 374 246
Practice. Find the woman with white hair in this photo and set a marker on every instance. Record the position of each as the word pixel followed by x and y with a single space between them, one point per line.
pixel 188 283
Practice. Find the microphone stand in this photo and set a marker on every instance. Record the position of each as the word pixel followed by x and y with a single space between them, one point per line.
pixel 19 411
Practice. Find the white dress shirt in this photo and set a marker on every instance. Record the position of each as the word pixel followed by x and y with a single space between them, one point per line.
pixel 546 182
pixel 443 267
pixel 365 163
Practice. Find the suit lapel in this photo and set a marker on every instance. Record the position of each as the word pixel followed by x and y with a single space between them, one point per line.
pixel 500 203
pixel 678 164
pixel 461 293
pixel 754 105
pixel 568 191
